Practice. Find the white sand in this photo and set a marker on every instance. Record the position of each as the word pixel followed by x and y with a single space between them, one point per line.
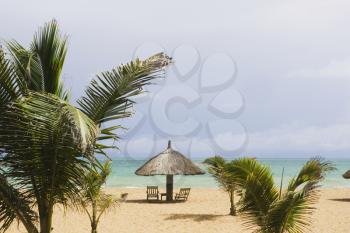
pixel 205 211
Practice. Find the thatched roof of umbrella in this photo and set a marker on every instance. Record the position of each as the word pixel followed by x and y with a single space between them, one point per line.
pixel 169 162
pixel 346 175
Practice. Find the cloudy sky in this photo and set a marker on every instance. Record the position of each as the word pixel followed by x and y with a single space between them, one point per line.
pixel 259 78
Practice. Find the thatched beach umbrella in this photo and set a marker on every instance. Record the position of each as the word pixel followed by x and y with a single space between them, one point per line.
pixel 170 162
pixel 346 175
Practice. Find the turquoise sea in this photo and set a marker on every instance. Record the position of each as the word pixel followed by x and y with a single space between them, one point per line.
pixel 123 174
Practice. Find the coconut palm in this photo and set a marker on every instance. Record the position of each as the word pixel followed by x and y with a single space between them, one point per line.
pixel 46 143
pixel 217 167
pixel 94 201
pixel 263 209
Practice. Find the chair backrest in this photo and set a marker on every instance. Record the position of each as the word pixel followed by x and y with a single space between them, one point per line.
pixel 152 189
pixel 185 191
pixel 123 197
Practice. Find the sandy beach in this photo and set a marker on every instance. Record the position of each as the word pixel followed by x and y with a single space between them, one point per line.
pixel 205 211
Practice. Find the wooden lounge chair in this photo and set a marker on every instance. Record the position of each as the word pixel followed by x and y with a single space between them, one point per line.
pixel 152 192
pixel 183 194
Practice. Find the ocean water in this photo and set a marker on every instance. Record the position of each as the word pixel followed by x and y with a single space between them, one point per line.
pixel 123 174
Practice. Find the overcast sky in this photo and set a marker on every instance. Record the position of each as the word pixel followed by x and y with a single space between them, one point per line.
pixel 259 78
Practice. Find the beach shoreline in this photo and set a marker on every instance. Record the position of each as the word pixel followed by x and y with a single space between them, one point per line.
pixel 123 174
pixel 205 211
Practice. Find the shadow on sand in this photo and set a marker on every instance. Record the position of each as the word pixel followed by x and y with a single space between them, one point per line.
pixel 340 199
pixel 194 217
pixel 143 201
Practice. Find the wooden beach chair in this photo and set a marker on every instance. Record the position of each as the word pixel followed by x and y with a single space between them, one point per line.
pixel 183 194
pixel 152 192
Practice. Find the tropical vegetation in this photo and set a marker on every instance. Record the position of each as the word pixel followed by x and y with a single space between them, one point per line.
pixel 267 208
pixel 217 167
pixel 94 201
pixel 47 144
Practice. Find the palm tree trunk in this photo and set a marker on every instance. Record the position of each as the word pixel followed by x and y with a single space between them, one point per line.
pixel 45 213
pixel 93 228
pixel 94 218
pixel 232 202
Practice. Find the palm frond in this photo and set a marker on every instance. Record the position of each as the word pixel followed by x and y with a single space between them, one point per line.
pixel 292 213
pixel 14 205
pixel 64 94
pixel 313 170
pixel 108 96
pixel 51 49
pixel 11 87
pixel 215 162
pixel 259 191
pixel 107 134
pixel 217 167
pixel 27 65
pixel 41 65
pixel 46 144
pixel 263 209
pixel 106 202
pixel 93 199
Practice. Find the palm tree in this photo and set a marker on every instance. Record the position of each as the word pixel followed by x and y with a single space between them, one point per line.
pixel 263 209
pixel 217 167
pixel 46 143
pixel 94 201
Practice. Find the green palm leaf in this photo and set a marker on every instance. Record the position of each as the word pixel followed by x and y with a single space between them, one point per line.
pixel 263 209
pixel 46 146
pixel 216 162
pixel 11 87
pixel 292 213
pixel 94 201
pixel 41 65
pixel 108 96
pixel 51 49
pixel 313 170
pixel 27 65
pixel 218 168
pixel 258 193
pixel 14 205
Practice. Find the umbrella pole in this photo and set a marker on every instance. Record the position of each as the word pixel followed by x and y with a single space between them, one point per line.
pixel 169 187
